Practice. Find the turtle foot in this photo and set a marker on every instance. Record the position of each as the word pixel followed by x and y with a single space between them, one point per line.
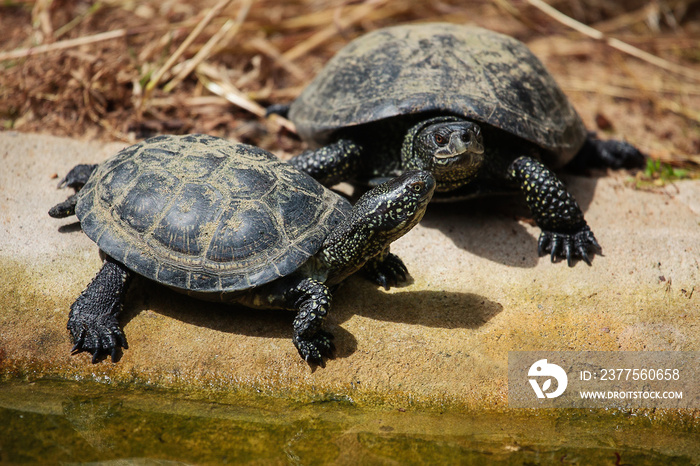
pixel 314 349
pixel 387 272
pixel 569 245
pixel 99 337
pixel 77 177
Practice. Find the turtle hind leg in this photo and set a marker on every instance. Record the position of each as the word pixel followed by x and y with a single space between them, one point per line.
pixel 565 232
pixel 612 153
pixel 76 179
pixel 93 319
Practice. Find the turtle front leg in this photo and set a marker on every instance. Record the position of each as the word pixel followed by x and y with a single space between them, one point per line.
pixel 311 300
pixel 331 164
pixel 92 321
pixel 76 179
pixel 565 233
pixel 385 269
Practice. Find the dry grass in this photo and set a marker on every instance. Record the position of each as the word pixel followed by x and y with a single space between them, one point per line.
pixel 127 69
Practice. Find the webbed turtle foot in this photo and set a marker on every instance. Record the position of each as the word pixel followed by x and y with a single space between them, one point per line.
pixel 387 272
pixel 569 245
pixel 99 337
pixel 77 177
pixel 314 349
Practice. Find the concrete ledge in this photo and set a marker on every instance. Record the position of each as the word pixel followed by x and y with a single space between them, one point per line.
pixel 477 291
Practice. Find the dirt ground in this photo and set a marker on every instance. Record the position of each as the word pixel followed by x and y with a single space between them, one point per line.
pixel 125 70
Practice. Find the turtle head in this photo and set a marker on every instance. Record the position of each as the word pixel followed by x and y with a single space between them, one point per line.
pixel 391 209
pixel 381 216
pixel 450 147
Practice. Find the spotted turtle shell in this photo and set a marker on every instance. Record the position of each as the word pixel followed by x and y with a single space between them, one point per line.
pixel 441 68
pixel 203 214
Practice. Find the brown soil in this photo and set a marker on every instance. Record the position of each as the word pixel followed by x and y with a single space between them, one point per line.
pixel 97 89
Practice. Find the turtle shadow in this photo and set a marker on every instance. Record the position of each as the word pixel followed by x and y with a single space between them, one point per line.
pixel 357 297
pixel 492 227
pixel 70 228
pixel 146 295
pixel 429 308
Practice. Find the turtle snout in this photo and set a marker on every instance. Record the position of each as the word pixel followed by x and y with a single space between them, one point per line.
pixel 461 141
pixel 460 159
pixel 472 140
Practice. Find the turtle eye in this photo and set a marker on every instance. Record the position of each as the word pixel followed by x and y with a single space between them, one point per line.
pixel 439 139
pixel 417 186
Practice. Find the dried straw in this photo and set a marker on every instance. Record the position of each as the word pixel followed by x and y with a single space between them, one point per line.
pixel 158 75
pixel 615 43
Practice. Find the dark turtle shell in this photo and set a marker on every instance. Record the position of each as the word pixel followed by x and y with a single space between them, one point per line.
pixel 206 215
pixel 442 68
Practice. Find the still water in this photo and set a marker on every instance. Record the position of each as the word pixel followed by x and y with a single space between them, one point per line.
pixel 84 422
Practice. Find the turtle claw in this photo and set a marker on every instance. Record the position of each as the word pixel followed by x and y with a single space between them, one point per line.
pixel 77 347
pixel 99 338
pixel 569 245
pixel 584 256
pixel 543 243
pixel 313 350
pixel 556 247
pixel 567 253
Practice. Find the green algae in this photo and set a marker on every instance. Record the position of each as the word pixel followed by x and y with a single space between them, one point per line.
pixel 59 421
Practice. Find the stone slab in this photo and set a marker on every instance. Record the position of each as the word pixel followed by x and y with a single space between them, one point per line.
pixel 477 291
